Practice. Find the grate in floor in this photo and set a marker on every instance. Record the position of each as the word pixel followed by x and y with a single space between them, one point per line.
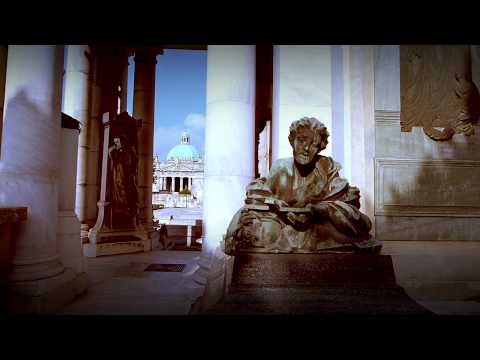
pixel 165 267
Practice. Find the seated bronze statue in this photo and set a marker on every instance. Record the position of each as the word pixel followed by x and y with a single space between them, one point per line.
pixel 303 205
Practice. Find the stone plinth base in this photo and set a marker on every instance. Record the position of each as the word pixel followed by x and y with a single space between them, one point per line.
pixel 115 248
pixel 315 284
pixel 154 237
pixel 312 270
pixel 84 233
pixel 46 296
pixel 112 242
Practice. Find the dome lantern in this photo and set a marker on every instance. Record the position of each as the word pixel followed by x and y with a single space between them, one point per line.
pixel 183 151
pixel 185 138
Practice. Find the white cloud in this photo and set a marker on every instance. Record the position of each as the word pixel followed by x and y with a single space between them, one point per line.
pixel 167 137
pixel 194 121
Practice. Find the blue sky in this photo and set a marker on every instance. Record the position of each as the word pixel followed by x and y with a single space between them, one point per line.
pixel 180 98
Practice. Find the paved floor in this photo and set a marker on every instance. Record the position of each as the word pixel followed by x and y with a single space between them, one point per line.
pixel 194 213
pixel 119 285
pixel 451 307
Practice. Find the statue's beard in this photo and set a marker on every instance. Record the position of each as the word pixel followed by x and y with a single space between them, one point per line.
pixel 307 167
pixel 303 159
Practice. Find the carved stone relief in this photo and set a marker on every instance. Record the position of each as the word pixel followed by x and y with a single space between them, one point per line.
pixel 436 90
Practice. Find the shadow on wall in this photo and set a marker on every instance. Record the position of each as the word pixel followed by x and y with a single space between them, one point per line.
pixel 433 189
pixel 26 130
pixel 436 256
pixel 28 166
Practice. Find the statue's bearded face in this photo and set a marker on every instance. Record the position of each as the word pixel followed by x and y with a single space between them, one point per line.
pixel 304 146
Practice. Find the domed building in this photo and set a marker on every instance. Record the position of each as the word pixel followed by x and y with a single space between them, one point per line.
pixel 182 171
pixel 183 151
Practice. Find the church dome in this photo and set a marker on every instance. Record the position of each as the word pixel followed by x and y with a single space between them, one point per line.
pixel 183 151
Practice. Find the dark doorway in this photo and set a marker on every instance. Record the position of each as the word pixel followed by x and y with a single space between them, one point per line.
pixel 177 184
pixel 263 93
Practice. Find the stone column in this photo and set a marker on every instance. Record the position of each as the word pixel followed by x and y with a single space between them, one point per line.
pixel 29 177
pixel 77 97
pixel 68 227
pixel 143 108
pixel 362 124
pixel 124 87
pixel 301 87
pixel 3 74
pixel 230 126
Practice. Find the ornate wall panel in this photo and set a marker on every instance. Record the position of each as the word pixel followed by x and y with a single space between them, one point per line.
pixel 421 187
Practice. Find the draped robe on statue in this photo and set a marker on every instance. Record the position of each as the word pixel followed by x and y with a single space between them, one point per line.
pixel 336 221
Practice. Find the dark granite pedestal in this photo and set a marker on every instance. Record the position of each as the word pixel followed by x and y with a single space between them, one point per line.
pixel 9 216
pixel 320 284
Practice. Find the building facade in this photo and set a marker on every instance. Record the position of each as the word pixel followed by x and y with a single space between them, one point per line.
pixel 178 180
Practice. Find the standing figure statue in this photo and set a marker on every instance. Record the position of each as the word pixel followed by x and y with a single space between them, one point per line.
pixel 124 162
pixel 303 205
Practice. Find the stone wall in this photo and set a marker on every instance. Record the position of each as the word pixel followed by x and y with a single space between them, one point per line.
pixel 424 190
pixel 426 199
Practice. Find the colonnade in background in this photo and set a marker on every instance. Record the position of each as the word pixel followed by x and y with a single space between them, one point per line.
pixel 175 183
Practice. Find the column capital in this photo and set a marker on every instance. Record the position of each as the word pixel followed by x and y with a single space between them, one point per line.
pixel 113 50
pixel 147 54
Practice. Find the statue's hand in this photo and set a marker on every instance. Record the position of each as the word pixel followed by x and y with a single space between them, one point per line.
pixel 320 209
pixel 300 221
pixel 277 204
pixel 310 208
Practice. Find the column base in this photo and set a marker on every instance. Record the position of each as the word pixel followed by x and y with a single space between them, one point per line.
pixel 46 296
pixel 68 236
pixel 214 274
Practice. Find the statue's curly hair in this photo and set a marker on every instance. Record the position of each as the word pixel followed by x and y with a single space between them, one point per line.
pixel 320 131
